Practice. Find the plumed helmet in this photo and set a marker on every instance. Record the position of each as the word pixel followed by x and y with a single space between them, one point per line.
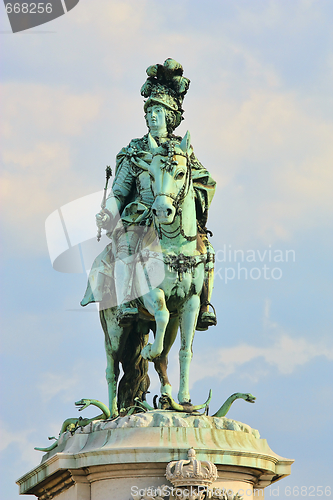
pixel 167 86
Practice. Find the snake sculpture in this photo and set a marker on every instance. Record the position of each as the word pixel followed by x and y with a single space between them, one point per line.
pixel 71 424
pixel 226 405
pixel 166 402
pixel 188 408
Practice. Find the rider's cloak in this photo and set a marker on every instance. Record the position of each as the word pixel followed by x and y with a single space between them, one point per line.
pixel 131 188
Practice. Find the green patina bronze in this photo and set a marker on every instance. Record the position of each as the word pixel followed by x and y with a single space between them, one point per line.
pixel 157 272
pixel 227 404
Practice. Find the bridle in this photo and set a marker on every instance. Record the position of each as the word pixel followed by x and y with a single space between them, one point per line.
pixel 181 195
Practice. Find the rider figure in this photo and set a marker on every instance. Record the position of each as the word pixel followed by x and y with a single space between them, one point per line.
pixel 127 212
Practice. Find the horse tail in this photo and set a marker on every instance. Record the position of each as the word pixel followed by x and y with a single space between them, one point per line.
pixel 135 381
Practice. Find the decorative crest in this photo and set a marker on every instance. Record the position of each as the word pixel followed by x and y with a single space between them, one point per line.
pixel 168 150
pixel 191 472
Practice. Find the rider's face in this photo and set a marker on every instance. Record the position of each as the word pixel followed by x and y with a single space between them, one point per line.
pixel 156 118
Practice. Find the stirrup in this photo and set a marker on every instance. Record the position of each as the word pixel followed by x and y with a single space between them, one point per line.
pixel 206 319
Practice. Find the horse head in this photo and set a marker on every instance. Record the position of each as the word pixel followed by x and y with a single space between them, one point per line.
pixel 170 176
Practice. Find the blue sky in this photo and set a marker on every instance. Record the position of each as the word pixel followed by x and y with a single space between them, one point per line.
pixel 260 113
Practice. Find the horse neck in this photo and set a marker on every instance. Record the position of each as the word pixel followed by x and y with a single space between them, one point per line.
pixel 180 244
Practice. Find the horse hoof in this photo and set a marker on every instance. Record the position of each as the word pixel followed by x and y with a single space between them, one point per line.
pixel 148 352
pixel 145 353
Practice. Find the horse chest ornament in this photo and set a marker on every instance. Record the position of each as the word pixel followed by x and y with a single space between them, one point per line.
pixel 183 263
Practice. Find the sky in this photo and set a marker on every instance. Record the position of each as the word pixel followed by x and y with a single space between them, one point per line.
pixel 260 113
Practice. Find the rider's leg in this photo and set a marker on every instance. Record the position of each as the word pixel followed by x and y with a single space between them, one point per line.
pixel 126 244
pixel 123 282
pixel 206 317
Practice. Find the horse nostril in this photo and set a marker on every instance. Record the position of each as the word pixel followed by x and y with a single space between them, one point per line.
pixel 169 211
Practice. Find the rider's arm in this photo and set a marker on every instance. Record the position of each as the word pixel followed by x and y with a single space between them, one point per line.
pixel 122 190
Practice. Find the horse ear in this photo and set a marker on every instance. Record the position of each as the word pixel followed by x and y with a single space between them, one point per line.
pixel 186 143
pixel 153 146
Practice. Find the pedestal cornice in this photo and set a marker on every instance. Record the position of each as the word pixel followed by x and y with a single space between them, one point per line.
pixel 142 442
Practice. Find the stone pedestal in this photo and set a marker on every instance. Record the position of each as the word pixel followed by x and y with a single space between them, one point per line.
pixel 123 458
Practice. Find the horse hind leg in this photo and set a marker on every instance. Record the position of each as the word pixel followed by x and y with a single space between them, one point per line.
pixel 112 374
pixel 113 334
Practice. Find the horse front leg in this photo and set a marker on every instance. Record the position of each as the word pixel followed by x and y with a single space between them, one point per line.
pixel 188 322
pixel 161 362
pixel 154 302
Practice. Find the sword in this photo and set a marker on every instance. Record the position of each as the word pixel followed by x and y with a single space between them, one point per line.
pixel 108 173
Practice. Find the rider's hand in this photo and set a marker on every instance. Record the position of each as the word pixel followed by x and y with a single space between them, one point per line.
pixel 103 220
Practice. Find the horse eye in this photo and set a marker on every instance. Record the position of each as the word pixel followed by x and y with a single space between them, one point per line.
pixel 179 176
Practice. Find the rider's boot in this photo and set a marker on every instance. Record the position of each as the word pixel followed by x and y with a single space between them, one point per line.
pixel 127 309
pixel 206 317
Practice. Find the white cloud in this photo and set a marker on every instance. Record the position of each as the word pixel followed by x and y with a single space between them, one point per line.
pixel 45 109
pixel 39 123
pixel 285 354
pixel 19 438
pixel 54 384
pixel 276 157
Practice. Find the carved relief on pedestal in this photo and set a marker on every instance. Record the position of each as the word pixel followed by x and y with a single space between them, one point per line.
pixel 191 479
pixel 191 472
